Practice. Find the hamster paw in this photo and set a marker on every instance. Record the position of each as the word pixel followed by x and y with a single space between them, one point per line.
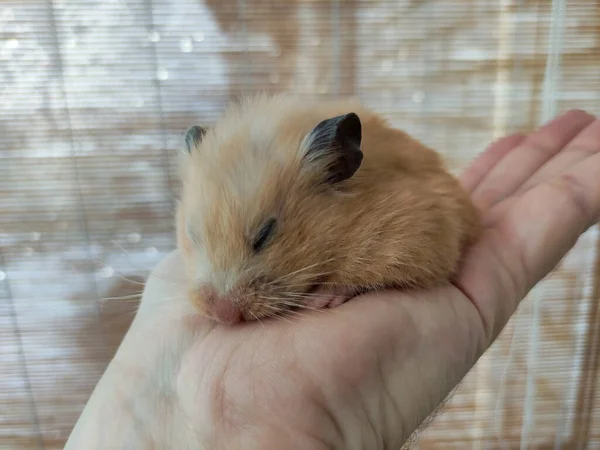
pixel 322 300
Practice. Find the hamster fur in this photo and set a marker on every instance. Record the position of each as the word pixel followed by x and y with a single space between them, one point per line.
pixel 275 213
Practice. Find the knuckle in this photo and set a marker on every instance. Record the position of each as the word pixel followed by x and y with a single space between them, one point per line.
pixel 585 149
pixel 542 144
pixel 576 194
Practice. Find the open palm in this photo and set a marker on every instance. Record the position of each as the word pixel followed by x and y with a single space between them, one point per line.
pixel 366 374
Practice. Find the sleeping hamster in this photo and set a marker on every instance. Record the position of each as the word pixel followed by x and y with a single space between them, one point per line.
pixel 288 203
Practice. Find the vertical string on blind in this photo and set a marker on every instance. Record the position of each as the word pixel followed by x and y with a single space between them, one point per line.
pixel 548 110
pixel 160 74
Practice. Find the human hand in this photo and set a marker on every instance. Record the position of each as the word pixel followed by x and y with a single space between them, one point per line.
pixel 366 374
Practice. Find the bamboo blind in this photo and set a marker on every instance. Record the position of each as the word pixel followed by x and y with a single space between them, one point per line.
pixel 95 96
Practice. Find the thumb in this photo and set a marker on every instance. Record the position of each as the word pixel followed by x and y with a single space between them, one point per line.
pixel 403 353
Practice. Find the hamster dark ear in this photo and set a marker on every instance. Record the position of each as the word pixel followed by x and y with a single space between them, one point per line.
pixel 336 143
pixel 193 137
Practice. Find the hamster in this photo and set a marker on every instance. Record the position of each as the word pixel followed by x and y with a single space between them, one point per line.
pixel 288 203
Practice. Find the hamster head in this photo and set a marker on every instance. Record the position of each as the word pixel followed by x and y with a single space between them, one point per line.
pixel 259 210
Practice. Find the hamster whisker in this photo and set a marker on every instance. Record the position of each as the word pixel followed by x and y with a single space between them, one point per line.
pixel 309 280
pixel 304 280
pixel 316 283
pixel 117 273
pixel 279 310
pixel 130 297
pixel 124 250
pixel 288 304
pixel 287 275
pixel 175 282
pixel 300 297
pixel 177 297
pixel 291 312
pixel 279 313
pixel 311 308
pixel 301 306
pixel 276 299
pixel 257 319
pixel 291 302
pixel 140 283
pixel 414 266
pixel 288 297
pixel 303 294
pixel 273 307
pixel 295 314
pixel 283 317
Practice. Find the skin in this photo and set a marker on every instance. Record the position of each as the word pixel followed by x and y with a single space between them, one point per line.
pixel 366 374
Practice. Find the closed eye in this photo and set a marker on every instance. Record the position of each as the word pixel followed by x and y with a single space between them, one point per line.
pixel 264 235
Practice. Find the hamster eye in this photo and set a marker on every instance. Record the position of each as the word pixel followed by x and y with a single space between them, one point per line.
pixel 264 234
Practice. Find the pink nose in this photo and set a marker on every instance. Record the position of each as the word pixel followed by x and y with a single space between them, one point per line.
pixel 225 311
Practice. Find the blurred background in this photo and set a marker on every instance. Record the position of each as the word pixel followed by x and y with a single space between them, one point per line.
pixel 95 96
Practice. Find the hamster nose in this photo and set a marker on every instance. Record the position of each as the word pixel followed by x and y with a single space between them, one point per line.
pixel 225 311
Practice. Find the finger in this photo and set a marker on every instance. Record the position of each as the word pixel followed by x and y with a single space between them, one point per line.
pixel 539 147
pixel 480 167
pixel 541 227
pixel 582 146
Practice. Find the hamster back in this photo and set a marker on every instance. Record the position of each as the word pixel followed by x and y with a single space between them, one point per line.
pixel 294 204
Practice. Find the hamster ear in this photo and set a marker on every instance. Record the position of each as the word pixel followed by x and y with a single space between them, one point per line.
pixel 336 143
pixel 193 137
